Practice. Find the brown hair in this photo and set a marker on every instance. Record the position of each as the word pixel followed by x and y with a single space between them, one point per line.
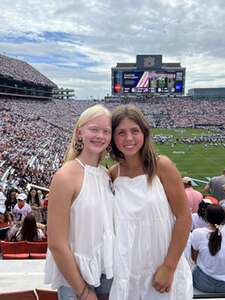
pixel 29 230
pixel 148 154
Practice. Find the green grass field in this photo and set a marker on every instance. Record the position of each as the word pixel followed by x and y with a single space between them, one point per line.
pixel 194 161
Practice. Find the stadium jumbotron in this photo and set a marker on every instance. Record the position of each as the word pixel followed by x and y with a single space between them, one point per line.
pixel 149 75
pixel 18 79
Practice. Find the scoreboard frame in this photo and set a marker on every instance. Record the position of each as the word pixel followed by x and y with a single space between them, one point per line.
pixel 148 82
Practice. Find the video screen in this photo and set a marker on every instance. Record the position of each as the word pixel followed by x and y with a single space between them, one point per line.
pixel 152 81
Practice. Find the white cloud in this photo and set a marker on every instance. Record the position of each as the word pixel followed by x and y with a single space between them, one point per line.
pixel 92 36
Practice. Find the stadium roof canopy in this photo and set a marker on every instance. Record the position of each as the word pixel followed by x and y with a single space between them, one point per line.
pixel 19 70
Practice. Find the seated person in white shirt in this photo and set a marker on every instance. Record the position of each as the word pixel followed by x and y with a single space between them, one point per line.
pixel 21 209
pixel 208 251
pixel 199 218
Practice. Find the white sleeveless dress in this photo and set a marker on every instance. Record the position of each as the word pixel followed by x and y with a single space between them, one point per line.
pixel 91 231
pixel 143 227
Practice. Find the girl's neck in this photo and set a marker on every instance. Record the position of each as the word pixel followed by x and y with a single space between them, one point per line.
pixel 133 164
pixel 89 159
pixel 211 227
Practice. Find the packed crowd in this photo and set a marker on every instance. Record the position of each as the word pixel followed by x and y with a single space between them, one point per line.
pixel 23 216
pixel 34 134
pixel 178 111
pixel 22 71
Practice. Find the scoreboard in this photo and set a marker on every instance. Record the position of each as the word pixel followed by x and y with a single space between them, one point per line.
pixel 142 81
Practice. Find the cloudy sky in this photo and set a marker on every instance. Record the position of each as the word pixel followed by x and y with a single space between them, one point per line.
pixel 75 43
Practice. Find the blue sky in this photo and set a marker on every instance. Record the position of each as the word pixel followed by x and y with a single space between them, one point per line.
pixel 75 43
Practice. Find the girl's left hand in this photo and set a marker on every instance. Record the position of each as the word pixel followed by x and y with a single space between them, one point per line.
pixel 163 278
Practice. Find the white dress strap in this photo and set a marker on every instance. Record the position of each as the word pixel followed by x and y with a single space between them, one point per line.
pixel 80 162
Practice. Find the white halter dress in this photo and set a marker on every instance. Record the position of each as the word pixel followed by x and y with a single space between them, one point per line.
pixel 143 227
pixel 91 231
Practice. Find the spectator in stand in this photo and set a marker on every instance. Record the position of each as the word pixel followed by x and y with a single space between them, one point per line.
pixel 194 197
pixel 208 251
pixel 32 198
pixel 215 186
pixel 5 219
pixel 222 202
pixel 45 209
pixel 2 199
pixel 211 198
pixel 34 201
pixel 5 223
pixel 29 230
pixel 11 200
pixel 40 196
pixel 21 209
pixel 199 218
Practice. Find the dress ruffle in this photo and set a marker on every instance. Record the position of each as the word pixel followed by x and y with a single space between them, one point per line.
pixel 101 262
pixel 91 267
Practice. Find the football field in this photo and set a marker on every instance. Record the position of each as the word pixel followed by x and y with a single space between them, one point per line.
pixel 195 160
pixel 199 160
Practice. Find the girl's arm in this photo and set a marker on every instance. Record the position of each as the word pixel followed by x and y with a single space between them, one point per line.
pixel 60 199
pixel 176 196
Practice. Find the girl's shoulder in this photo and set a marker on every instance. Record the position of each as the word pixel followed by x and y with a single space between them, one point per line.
pixel 68 177
pixel 163 161
pixel 201 231
pixel 69 169
pixel 164 166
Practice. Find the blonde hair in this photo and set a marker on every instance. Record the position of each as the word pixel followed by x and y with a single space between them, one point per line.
pixel 90 113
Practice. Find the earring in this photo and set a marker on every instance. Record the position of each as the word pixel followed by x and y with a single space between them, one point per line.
pixel 79 145
pixel 109 148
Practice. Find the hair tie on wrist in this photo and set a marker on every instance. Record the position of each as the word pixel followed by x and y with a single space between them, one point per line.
pixel 81 296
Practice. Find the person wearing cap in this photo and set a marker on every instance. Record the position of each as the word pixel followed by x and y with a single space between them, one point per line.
pixel 21 209
pixel 215 186
pixel 194 197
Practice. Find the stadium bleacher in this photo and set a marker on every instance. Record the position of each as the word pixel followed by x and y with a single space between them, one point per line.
pixel 34 134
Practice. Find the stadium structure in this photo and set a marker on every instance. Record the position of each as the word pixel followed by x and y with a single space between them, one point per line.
pixel 207 92
pixel 18 79
pixel 63 94
pixel 149 75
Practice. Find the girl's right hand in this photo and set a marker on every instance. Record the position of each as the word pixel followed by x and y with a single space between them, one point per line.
pixel 163 278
